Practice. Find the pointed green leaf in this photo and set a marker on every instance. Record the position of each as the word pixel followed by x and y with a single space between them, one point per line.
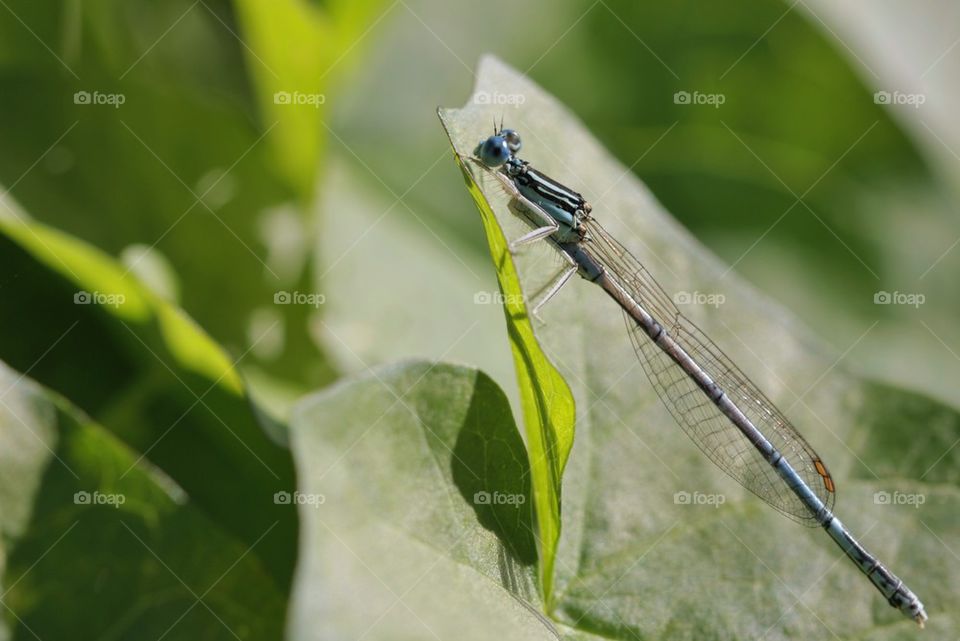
pixel 548 409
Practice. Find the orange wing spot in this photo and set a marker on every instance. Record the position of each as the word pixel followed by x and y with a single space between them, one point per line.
pixel 829 483
pixel 822 471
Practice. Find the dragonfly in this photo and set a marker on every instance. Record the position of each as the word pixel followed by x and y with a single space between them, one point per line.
pixel 725 414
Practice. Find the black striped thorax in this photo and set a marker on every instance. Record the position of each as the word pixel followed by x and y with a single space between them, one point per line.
pixel 546 187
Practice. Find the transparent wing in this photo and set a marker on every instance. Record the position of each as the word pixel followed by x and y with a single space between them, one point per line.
pixel 710 429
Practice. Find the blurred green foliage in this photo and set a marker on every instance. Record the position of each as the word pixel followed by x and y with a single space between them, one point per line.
pixel 198 156
pixel 104 548
pixel 151 376
pixel 796 122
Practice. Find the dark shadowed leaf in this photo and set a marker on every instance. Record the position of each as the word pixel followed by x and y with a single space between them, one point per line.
pixel 99 545
pixel 416 511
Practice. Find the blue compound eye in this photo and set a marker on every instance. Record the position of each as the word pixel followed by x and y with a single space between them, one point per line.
pixel 513 140
pixel 494 151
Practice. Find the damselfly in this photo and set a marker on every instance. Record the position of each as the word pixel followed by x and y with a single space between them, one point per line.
pixel 729 419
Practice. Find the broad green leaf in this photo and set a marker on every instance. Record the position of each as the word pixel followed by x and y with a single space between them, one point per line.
pixel 99 545
pixel 423 299
pixel 78 323
pixel 415 503
pixel 656 542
